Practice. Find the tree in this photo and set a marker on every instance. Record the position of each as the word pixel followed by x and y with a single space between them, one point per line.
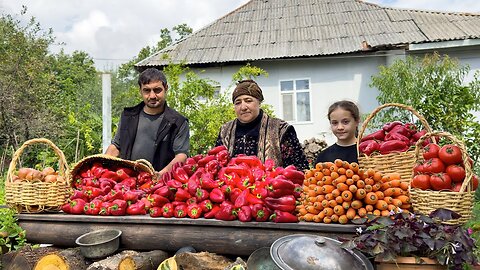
pixel 437 88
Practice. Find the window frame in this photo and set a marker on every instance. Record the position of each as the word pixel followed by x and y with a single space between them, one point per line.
pixel 294 100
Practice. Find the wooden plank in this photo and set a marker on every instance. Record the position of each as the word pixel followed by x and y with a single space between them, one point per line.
pixel 170 234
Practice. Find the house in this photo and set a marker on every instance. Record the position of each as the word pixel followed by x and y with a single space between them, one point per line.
pixel 320 51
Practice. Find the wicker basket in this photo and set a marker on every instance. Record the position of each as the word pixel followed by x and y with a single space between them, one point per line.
pixel 426 201
pixel 37 196
pixel 109 161
pixel 397 162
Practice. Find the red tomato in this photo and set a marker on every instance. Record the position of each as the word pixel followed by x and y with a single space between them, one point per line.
pixel 433 165
pixel 475 181
pixel 456 187
pixel 450 154
pixel 421 181
pixel 431 151
pixel 440 181
pixel 418 168
pixel 456 172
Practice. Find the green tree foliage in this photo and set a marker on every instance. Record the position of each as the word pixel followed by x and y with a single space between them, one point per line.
pixel 436 86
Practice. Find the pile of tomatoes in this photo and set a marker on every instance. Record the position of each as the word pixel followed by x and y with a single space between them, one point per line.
pixel 442 168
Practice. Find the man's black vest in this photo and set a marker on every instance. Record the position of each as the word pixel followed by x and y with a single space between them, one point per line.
pixel 171 123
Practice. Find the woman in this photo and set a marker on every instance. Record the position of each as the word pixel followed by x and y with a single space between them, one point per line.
pixel 344 118
pixel 256 133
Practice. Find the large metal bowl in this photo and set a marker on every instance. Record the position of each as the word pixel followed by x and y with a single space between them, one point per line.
pixel 99 244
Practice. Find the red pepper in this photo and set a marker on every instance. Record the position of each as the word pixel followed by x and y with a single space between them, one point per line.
pixel 77 206
pixel 66 208
pixel 223 157
pixel 411 127
pixel 190 169
pixel 157 200
pixel 252 199
pixel 297 192
pixel 202 162
pixel 401 129
pixel 194 211
pixel 180 175
pixel 166 177
pixel 244 182
pixel 167 210
pixel 239 170
pixel 93 207
pixel 106 182
pixel 389 126
pixel 122 174
pixel 155 212
pixel 251 161
pixel 118 208
pixel 144 177
pixel 190 161
pixel 182 195
pixel 280 182
pixel 241 199
pixel 378 135
pixel 111 175
pixel 92 192
pixel 396 136
pixel 260 192
pixel 91 182
pixel 206 205
pixel 245 214
pixel 277 193
pixel 208 182
pixel 130 196
pixel 174 184
pixel 285 203
pixel 295 176
pixel 283 217
pixel 165 191
pixel 146 186
pixel 213 212
pixel 258 174
pixel 78 194
pixel 193 184
pixel 197 157
pixel 155 187
pixel 260 212
pixel 226 212
pixel 105 208
pixel 368 147
pixel 234 194
pixel 201 194
pixel 137 208
pixel 86 173
pixel 180 211
pixel 393 146
pixel 212 166
pixel 217 195
pixel 130 182
pixel 191 200
pixel 269 165
pixel 147 203
pixel 227 189
pixel 216 149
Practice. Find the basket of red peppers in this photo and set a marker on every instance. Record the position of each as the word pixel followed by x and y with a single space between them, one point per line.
pixel 391 149
pixel 211 186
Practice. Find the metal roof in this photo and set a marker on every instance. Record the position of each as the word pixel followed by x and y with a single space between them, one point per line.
pixel 271 29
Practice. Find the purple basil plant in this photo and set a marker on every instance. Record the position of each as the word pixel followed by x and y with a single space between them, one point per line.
pixel 415 235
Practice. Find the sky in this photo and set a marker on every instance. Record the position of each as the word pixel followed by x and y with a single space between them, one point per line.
pixel 114 31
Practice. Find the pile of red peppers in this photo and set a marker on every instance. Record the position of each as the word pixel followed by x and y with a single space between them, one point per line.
pixel 212 186
pixel 393 137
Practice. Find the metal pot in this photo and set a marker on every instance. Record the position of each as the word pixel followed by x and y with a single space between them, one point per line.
pixel 99 244
pixel 305 252
pixel 260 259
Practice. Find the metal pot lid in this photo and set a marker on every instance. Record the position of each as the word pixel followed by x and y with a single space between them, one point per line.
pixel 307 251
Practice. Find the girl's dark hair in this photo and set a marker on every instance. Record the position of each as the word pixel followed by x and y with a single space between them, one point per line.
pixel 346 105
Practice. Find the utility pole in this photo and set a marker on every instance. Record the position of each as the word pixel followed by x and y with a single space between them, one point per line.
pixel 106 110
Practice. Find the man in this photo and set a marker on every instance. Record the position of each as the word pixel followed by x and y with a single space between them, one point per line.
pixel 151 130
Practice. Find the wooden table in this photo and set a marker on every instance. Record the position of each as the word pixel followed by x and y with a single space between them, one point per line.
pixel 170 234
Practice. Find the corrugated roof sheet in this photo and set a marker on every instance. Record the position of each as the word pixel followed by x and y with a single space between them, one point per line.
pixel 270 29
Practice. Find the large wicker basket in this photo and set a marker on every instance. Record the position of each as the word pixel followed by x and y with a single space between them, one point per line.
pixel 37 196
pixel 426 201
pixel 397 162
pixel 110 161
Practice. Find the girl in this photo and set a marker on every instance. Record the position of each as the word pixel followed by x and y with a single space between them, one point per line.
pixel 344 118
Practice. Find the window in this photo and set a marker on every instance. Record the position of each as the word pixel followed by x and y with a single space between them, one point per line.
pixel 295 96
pixel 216 93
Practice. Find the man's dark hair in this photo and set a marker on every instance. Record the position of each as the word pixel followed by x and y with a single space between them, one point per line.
pixel 152 75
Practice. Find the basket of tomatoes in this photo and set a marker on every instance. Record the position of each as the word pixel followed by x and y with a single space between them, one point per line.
pixel 34 190
pixel 443 177
pixel 390 149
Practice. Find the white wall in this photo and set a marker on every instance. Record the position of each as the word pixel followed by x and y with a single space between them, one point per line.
pixel 331 79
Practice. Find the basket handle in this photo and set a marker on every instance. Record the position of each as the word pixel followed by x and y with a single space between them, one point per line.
pixel 468 168
pixel 62 167
pixel 386 105
pixel 146 163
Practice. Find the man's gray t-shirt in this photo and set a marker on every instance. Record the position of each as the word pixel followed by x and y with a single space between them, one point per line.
pixel 143 147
